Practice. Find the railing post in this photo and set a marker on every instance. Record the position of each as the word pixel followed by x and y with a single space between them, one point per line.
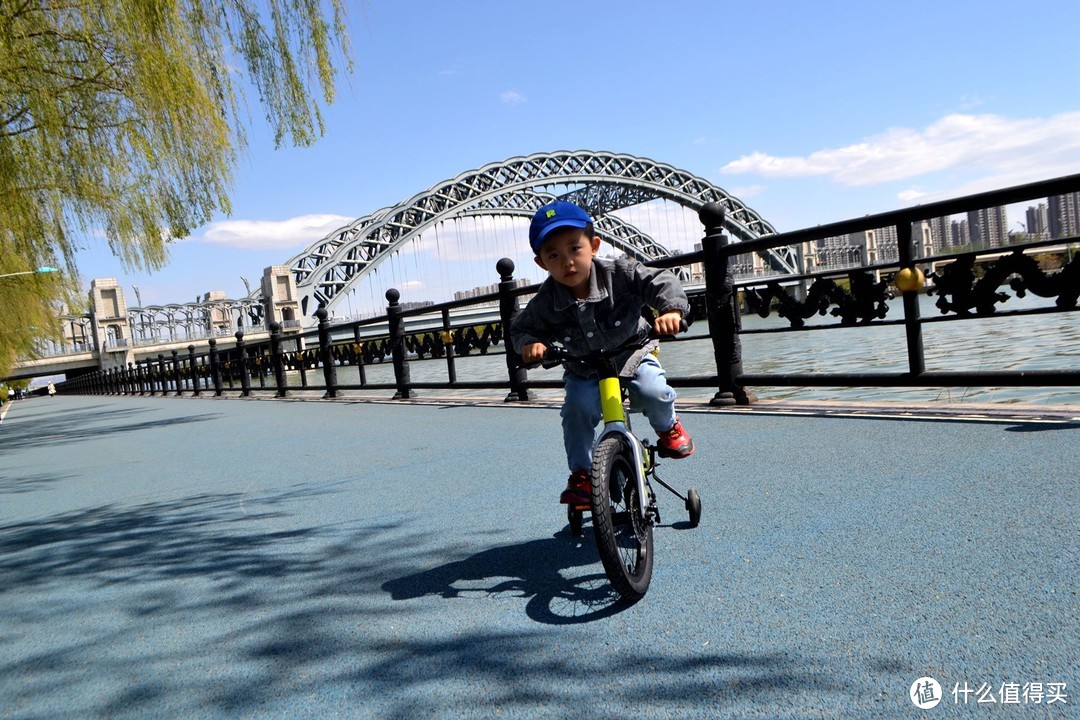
pixel 242 358
pixel 260 364
pixel 361 368
pixel 148 371
pixel 193 370
pixel 277 360
pixel 176 372
pixel 325 354
pixel 144 378
pixel 215 367
pixel 912 325
pixel 722 304
pixel 163 375
pixel 301 361
pixel 448 347
pixel 397 345
pixel 508 308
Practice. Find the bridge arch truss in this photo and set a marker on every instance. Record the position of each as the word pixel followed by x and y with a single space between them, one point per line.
pixel 602 183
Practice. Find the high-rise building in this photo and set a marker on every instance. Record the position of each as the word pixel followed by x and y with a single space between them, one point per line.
pixel 940 234
pixel 923 238
pixel 988 227
pixel 960 233
pixel 1064 215
pixel 837 252
pixel 1038 224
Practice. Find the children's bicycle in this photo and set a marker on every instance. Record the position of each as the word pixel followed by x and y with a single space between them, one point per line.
pixel 622 502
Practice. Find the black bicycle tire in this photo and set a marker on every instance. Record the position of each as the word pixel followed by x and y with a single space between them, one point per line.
pixel 613 455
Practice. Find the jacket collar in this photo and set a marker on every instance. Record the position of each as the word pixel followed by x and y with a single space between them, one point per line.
pixel 564 299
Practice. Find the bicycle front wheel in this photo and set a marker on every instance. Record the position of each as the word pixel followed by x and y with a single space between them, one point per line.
pixel 624 536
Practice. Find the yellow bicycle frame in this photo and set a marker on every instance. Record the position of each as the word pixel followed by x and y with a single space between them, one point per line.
pixel 611 404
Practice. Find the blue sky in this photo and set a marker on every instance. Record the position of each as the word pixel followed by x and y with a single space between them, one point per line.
pixel 809 112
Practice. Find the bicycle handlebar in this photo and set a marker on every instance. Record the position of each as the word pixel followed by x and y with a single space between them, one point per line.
pixel 556 355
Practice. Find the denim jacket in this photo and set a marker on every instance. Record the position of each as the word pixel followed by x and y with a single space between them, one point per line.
pixel 610 316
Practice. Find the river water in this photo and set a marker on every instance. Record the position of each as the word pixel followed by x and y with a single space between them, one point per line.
pixel 1050 342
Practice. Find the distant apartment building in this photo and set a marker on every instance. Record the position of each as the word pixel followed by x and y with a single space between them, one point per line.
pixel 1038 222
pixel 960 232
pixel 989 227
pixel 744 265
pixel 878 245
pixel 835 252
pixel 1063 215
pixel 487 290
pixel 923 239
pixel 940 234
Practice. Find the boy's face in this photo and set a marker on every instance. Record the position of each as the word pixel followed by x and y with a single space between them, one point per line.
pixel 567 255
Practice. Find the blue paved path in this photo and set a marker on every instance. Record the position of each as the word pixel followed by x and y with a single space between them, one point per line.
pixel 201 558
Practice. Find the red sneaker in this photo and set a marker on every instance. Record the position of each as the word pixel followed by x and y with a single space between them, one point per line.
pixel 675 443
pixel 578 489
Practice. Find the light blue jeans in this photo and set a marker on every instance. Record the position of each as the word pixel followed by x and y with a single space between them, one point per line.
pixel 649 394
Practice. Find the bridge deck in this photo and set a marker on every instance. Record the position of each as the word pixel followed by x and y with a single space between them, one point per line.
pixel 220 558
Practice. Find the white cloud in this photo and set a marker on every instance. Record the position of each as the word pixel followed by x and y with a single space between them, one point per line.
pixel 293 233
pixel 1006 149
pixel 512 97
pixel 747 191
pixel 912 195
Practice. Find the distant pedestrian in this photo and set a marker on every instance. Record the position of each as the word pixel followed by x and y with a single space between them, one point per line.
pixel 52 390
pixel 10 394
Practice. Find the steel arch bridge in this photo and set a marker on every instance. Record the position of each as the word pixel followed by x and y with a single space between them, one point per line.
pixel 604 182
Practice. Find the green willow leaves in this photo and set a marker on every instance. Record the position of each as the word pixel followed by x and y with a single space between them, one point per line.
pixel 122 121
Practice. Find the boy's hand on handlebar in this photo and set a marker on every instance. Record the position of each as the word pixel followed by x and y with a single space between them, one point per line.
pixel 669 323
pixel 533 352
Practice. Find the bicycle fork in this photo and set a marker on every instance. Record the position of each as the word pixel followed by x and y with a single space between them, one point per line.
pixel 614 416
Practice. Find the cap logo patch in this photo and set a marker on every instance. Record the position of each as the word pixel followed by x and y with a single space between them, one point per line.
pixel 550 213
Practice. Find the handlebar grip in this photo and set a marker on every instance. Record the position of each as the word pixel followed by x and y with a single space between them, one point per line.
pixel 552 358
pixel 683 327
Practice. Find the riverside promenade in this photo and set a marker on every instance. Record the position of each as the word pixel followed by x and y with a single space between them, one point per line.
pixel 257 558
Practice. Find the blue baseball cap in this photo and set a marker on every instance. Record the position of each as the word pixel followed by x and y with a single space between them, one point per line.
pixel 553 216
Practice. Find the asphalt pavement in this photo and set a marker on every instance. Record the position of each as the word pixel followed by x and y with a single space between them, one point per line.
pixel 230 558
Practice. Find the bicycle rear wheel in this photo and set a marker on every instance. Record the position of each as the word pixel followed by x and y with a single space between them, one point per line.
pixel 624 536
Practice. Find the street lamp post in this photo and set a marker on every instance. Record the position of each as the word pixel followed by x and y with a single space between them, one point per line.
pixel 41 270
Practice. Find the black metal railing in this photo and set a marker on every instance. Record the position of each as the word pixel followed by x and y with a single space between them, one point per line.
pixel 968 285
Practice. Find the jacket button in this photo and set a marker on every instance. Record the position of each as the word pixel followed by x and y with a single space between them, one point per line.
pixel 589 335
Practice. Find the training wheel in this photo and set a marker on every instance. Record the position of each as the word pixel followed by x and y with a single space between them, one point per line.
pixel 693 506
pixel 573 516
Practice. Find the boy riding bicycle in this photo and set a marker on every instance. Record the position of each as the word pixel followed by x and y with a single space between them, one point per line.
pixel 590 303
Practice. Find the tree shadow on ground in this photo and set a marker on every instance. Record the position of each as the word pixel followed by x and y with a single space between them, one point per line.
pixel 28 483
pixel 84 424
pixel 223 604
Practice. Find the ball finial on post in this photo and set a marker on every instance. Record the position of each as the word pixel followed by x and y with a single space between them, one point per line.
pixel 711 215
pixel 505 268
